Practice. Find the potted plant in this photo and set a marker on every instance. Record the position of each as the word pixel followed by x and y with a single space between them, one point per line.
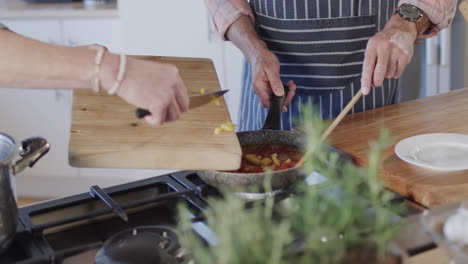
pixel 348 220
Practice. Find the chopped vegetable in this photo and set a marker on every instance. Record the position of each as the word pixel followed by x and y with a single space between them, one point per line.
pixel 226 127
pixel 253 159
pixel 216 102
pixel 274 157
pixel 202 90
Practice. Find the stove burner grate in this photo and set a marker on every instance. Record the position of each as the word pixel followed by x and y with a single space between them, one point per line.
pixel 143 245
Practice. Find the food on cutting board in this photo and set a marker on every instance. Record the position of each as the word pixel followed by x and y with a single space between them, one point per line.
pixel 456 227
pixel 225 127
pixel 202 90
pixel 273 157
pixel 216 101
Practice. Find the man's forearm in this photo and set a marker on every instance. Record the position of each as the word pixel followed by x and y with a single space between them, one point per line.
pixel 242 33
pixel 27 63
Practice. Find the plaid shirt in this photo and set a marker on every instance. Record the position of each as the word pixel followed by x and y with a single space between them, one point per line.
pixel 225 12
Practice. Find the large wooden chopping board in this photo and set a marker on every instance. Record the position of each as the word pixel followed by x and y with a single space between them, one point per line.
pixel 446 113
pixel 106 134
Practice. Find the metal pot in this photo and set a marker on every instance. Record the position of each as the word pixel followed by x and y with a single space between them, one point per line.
pixel 271 133
pixel 31 150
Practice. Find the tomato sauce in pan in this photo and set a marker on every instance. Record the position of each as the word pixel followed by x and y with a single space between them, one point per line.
pixel 273 157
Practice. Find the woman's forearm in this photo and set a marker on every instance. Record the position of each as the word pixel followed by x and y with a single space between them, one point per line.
pixel 27 63
pixel 242 33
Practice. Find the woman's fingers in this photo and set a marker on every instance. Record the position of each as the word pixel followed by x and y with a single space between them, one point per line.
pixel 181 96
pixel 173 111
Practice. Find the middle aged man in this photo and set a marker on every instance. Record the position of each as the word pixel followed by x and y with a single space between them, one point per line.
pixel 325 50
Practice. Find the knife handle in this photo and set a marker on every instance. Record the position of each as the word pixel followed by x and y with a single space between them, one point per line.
pixel 140 113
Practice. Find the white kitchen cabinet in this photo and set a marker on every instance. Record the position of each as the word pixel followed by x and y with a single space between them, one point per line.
pixel 177 28
pixel 25 113
pixel 43 30
pixel 46 113
pixel 106 32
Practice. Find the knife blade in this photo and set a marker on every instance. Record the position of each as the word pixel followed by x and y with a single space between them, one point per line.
pixel 195 101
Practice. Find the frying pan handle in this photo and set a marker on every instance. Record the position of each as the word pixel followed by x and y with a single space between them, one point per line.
pixel 273 119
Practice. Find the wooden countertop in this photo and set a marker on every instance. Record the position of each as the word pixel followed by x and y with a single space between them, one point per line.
pixel 20 9
pixel 445 113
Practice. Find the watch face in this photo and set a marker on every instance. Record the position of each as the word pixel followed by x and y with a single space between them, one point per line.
pixel 410 11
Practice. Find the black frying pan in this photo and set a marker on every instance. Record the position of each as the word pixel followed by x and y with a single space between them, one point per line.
pixel 271 133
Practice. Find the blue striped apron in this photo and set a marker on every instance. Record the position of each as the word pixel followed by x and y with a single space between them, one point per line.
pixel 320 45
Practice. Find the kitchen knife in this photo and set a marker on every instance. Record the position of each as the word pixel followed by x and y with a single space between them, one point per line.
pixel 195 101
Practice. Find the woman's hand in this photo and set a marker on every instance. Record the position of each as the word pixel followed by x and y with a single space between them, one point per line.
pixel 266 79
pixel 149 85
pixel 388 52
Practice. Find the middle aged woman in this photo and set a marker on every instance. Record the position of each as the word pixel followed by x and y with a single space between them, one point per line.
pixel 325 50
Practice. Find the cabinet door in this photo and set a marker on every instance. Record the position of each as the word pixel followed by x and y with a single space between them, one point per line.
pixel 31 112
pixel 43 30
pixel 106 32
pixel 166 28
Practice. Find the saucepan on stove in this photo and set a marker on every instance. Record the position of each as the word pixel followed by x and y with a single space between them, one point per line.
pixel 261 144
pixel 30 151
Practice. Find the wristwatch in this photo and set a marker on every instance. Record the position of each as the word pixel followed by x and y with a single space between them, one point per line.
pixel 414 14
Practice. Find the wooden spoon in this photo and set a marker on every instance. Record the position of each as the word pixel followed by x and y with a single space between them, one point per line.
pixel 335 123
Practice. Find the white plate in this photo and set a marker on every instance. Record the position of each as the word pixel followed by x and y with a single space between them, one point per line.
pixel 438 151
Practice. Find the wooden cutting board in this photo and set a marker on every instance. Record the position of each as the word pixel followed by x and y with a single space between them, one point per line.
pixel 446 113
pixel 106 134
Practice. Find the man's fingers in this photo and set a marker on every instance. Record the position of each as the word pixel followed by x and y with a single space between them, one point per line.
pixel 368 69
pixel 401 65
pixel 392 67
pixel 290 95
pixel 261 89
pixel 381 68
pixel 275 82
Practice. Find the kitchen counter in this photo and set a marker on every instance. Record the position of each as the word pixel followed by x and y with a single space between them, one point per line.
pixel 20 9
pixel 444 113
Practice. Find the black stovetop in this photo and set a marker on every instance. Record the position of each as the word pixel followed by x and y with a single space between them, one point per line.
pixel 72 229
pixel 62 230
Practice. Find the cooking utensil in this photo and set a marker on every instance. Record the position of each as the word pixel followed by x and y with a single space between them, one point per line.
pixel 332 126
pixel 271 133
pixel 31 151
pixel 97 191
pixel 195 101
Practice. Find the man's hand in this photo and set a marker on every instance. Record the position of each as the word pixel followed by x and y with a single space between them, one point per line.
pixel 264 64
pixel 266 79
pixel 388 52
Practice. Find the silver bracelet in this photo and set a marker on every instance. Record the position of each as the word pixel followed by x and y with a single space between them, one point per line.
pixel 120 75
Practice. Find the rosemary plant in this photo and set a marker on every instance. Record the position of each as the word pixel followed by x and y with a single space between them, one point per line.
pixel 323 224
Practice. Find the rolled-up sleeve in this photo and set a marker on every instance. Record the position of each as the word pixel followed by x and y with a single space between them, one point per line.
pixel 439 12
pixel 225 12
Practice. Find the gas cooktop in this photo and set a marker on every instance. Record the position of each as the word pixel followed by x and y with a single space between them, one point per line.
pixel 86 229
